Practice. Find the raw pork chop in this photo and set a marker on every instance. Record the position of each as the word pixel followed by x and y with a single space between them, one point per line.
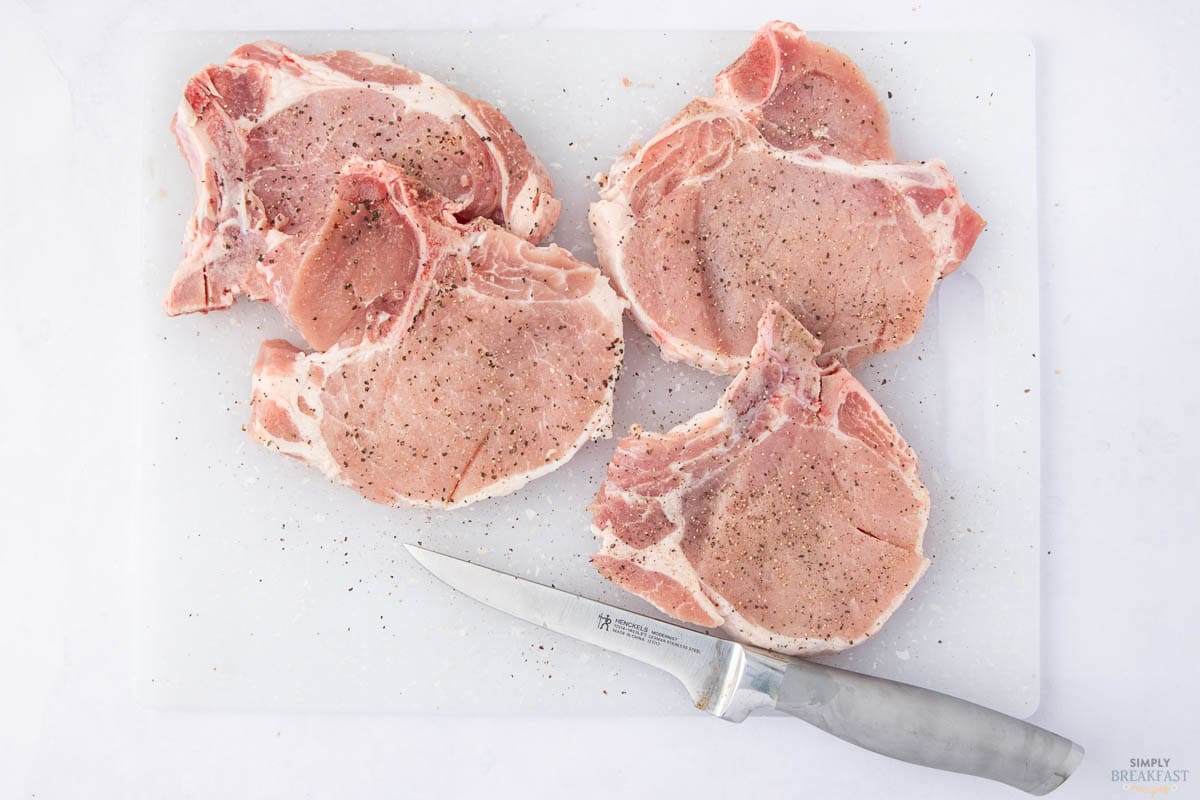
pixel 468 361
pixel 790 515
pixel 779 188
pixel 266 133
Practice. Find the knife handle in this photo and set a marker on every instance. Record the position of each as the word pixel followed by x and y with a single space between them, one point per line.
pixel 926 727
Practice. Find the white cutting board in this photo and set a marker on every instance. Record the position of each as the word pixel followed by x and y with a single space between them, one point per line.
pixel 267 587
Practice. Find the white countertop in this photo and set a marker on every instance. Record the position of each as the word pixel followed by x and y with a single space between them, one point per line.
pixel 1121 419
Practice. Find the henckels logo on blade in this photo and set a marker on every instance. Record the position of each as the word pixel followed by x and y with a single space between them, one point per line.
pixel 605 621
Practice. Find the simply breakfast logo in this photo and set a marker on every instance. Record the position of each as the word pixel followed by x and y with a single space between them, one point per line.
pixel 1150 776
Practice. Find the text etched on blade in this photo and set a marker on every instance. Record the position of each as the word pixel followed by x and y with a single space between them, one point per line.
pixel 642 633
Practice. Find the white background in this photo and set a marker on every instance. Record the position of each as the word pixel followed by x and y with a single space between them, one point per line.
pixel 1118 167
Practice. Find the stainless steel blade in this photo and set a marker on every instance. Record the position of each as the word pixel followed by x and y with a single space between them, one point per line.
pixel 714 671
pixel 730 680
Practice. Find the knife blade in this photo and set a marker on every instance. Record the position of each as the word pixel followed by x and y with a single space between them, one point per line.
pixel 730 680
pixel 703 664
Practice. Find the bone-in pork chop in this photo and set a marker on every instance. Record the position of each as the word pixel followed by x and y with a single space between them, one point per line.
pixel 780 187
pixel 467 360
pixel 791 515
pixel 266 133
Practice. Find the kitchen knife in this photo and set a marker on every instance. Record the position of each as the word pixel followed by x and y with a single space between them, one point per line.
pixel 729 680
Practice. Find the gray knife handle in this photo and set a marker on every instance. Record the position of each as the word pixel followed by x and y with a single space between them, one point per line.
pixel 925 727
